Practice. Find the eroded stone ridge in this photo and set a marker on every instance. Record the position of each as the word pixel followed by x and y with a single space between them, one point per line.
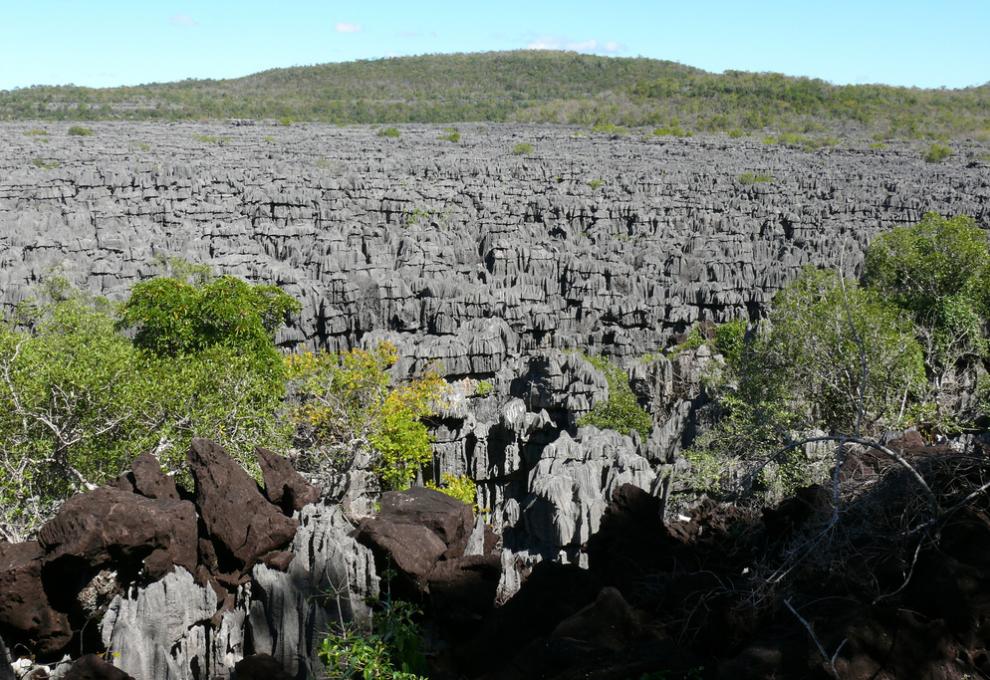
pixel 463 253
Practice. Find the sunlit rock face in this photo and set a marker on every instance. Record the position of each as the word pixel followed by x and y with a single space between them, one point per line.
pixel 464 254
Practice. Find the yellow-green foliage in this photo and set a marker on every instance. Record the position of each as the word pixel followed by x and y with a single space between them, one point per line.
pixel 389 132
pixel 755 178
pixel 621 412
pixel 522 149
pixel 460 487
pixel 450 135
pixel 79 131
pixel 351 396
pixel 81 397
pixel 937 153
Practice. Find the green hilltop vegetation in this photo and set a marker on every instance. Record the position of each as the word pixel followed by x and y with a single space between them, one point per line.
pixel 528 86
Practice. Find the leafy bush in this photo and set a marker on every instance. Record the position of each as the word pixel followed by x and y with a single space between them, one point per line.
pixel 621 412
pixel 673 130
pixel 596 184
pixel 43 164
pixel 79 131
pixel 522 149
pixel 937 153
pixel 483 388
pixel 392 650
pixel 938 271
pixel 460 487
pixel 838 347
pixel 347 403
pixel 450 135
pixel 389 132
pixel 610 129
pixel 79 398
pixel 751 178
pixel 730 340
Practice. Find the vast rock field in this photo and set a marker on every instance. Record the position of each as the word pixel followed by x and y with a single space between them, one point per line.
pixel 492 265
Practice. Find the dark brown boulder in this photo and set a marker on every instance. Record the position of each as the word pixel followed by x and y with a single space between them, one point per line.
pixel 450 519
pixel 25 613
pixel 92 667
pixel 241 522
pixel 412 548
pixel 462 591
pixel 259 667
pixel 148 479
pixel 283 485
pixel 109 526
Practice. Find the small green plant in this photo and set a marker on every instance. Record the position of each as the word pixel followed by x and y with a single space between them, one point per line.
pixel 79 131
pixel 610 129
pixel 460 487
pixel 143 146
pixel 391 650
pixel 673 130
pixel 522 149
pixel 748 178
pixel 268 139
pixel 937 153
pixel 389 132
pixel 417 215
pixel 730 340
pixel 483 388
pixel 596 184
pixel 450 135
pixel 44 164
pixel 736 133
pixel 285 121
pixel 878 146
pixel 621 412
pixel 36 132
pixel 212 139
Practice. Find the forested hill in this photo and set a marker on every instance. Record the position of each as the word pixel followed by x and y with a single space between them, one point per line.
pixel 527 86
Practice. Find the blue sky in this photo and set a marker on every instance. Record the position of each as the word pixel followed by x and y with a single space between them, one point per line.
pixel 927 43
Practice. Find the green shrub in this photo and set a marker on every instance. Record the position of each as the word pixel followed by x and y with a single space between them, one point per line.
pixel 483 388
pixel 392 650
pixel 596 184
pixel 81 398
pixel 522 149
pixel 285 121
pixel 610 129
pixel 45 164
pixel 349 397
pixel 79 131
pixel 751 178
pixel 36 132
pixel 621 412
pixel 460 487
pixel 730 340
pixel 450 135
pixel 673 130
pixel 937 153
pixel 389 132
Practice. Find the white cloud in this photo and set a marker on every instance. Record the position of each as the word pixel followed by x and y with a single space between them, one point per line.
pixel 344 27
pixel 591 45
pixel 183 20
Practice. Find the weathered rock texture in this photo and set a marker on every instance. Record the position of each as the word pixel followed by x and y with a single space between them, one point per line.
pixel 464 252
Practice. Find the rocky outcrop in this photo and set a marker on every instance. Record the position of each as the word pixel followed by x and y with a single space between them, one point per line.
pixel 284 486
pixel 329 580
pixel 26 615
pixel 466 254
pixel 162 584
pixel 129 532
pixel 92 667
pixel 240 522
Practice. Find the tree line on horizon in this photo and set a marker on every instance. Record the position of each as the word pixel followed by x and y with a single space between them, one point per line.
pixel 528 87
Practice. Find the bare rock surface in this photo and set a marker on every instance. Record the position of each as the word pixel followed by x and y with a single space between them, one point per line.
pixel 284 486
pixel 464 253
pixel 241 523
pixel 328 581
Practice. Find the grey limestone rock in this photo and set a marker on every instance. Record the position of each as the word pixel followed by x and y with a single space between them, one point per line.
pixel 163 630
pixel 327 582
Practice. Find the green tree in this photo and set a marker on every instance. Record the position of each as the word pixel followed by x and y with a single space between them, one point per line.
pixel 79 398
pixel 621 411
